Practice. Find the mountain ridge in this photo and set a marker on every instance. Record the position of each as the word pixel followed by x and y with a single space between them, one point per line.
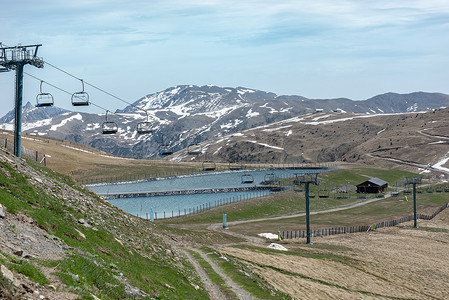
pixel 186 114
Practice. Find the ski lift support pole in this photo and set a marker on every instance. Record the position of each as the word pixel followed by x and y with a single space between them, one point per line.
pixel 414 181
pixel 307 179
pixel 15 58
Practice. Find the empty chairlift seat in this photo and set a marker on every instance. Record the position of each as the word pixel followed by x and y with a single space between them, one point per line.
pixel 80 98
pixel 247 178
pixel 109 127
pixel 44 99
pixel 144 127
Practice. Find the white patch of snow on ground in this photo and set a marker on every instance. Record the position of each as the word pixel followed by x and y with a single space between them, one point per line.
pixel 251 114
pixel 276 129
pixel 267 235
pixel 439 142
pixel 277 247
pixel 244 91
pixel 77 149
pixel 266 145
pixel 380 131
pixel 218 150
pixel 289 133
pixel 63 122
pixel 439 165
pixel 321 117
pixel 421 171
pixel 238 134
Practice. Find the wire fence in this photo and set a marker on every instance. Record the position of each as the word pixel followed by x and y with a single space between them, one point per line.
pixel 8 143
pixel 221 167
pixel 203 207
pixel 353 229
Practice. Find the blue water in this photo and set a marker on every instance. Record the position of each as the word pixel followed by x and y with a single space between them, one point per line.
pixel 190 182
pixel 168 206
pixel 181 204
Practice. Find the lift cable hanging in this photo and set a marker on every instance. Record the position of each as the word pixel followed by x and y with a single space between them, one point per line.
pixel 80 98
pixel 44 99
pixel 69 93
pixel 106 92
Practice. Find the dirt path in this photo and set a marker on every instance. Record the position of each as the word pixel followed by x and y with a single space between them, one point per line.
pixel 218 226
pixel 240 293
pixel 212 289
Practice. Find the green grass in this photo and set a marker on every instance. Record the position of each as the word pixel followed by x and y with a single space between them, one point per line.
pixel 214 277
pixel 288 203
pixel 248 280
pixel 149 269
pixel 23 267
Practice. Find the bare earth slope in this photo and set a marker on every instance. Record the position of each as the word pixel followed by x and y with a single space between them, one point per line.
pixel 392 263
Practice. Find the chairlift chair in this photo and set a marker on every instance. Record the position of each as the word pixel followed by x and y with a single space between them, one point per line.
pixel 208 166
pixel 80 98
pixel 165 150
pixel 247 178
pixel 144 127
pixel 270 178
pixel 194 149
pixel 164 147
pixel 323 194
pixel 44 99
pixel 109 127
pixel 235 167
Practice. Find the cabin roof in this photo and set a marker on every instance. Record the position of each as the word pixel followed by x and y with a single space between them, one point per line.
pixel 376 181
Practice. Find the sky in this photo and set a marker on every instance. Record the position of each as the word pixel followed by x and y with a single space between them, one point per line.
pixel 316 49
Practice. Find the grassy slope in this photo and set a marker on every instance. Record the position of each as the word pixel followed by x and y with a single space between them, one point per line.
pixel 117 243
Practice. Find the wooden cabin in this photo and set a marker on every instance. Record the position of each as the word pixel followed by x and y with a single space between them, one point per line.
pixel 372 186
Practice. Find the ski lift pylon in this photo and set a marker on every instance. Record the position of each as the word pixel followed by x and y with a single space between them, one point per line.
pixel 109 127
pixel 80 98
pixel 44 99
pixel 144 127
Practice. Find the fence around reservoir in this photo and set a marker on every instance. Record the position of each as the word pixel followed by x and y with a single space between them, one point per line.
pixel 188 192
pixel 353 229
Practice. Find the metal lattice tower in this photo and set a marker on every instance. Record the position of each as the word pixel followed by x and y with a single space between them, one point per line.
pixel 15 58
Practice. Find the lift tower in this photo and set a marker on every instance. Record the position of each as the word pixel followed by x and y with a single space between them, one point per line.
pixel 14 58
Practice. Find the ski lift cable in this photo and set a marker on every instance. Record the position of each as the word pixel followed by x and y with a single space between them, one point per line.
pixel 67 92
pixel 85 82
pixel 95 87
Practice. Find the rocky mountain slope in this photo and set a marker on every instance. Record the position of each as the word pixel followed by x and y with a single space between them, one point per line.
pixel 419 140
pixel 59 241
pixel 188 114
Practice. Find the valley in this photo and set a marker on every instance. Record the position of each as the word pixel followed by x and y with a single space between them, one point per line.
pixel 84 247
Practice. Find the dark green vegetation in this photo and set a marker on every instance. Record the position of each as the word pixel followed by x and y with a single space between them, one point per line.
pixel 107 258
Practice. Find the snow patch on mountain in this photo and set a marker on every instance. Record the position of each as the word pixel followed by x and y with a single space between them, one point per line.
pixel 65 121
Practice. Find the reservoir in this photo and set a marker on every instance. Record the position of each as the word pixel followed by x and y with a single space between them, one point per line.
pixel 175 195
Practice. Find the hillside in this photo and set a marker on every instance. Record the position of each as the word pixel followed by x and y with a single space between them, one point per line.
pixel 417 140
pixel 186 114
pixel 60 241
